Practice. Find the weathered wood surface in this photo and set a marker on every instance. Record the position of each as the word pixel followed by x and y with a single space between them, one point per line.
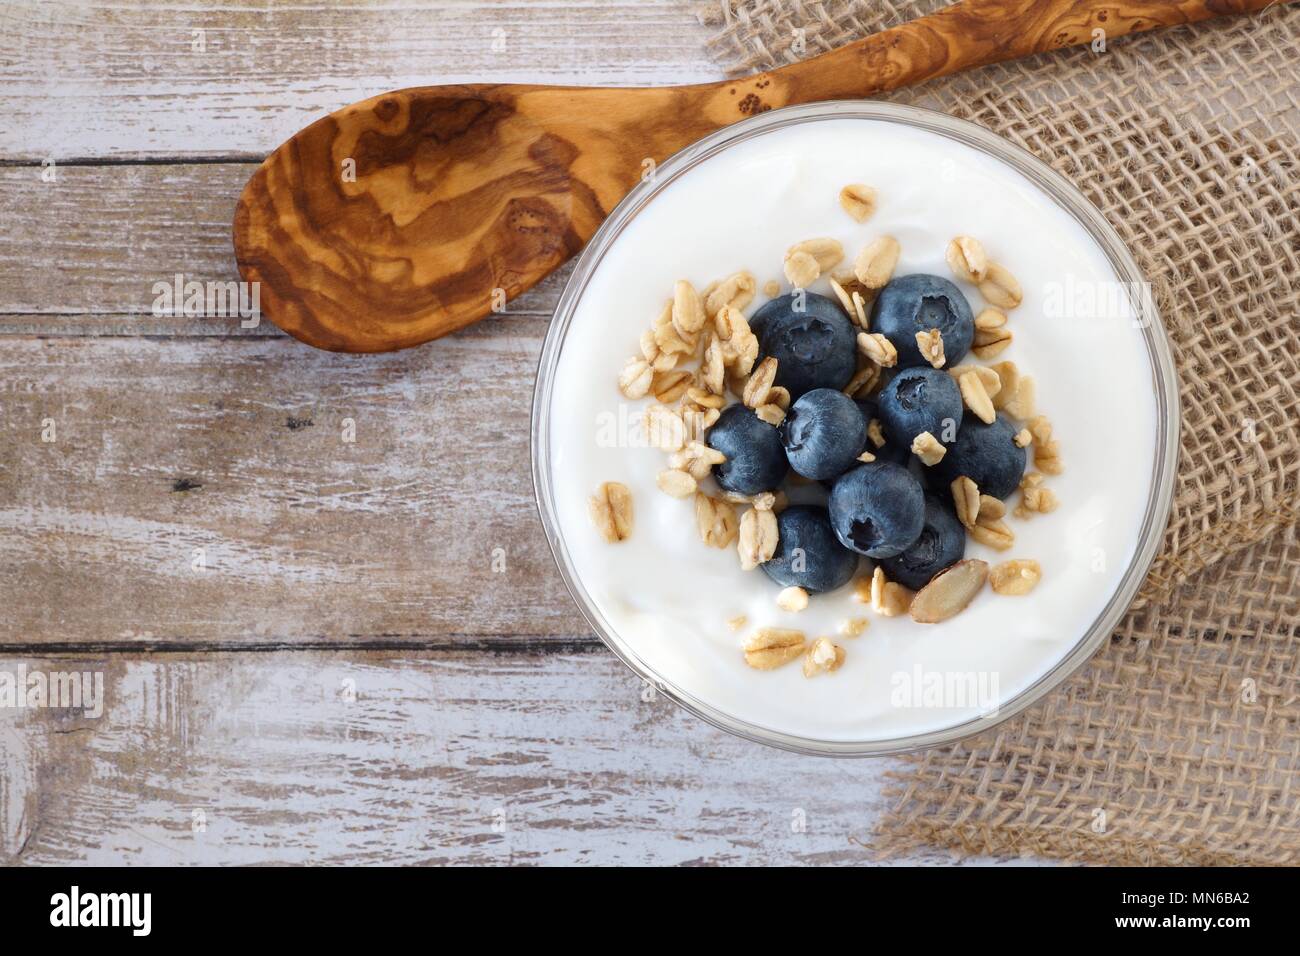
pixel 101 78
pixel 80 255
pixel 422 527
pixel 220 697
pixel 377 758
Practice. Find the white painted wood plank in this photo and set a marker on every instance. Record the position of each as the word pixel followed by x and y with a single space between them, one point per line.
pixel 128 79
pixel 517 759
pixel 80 255
pixel 206 490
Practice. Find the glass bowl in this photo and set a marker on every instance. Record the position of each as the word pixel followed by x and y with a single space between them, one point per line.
pixel 1063 195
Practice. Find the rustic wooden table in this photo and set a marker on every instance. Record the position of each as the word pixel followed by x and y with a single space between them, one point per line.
pixel 307 652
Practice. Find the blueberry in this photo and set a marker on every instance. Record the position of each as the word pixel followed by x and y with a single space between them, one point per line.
pixel 941 545
pixel 823 434
pixel 877 509
pixel 986 454
pixel 810 337
pixel 919 400
pixel 889 451
pixel 755 459
pixel 808 554
pixel 915 303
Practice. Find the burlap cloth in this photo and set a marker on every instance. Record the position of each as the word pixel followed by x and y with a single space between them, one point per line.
pixel 1180 741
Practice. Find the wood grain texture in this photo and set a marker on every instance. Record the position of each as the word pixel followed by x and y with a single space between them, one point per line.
pixel 423 528
pixel 80 255
pixel 101 78
pixel 378 758
pixel 414 213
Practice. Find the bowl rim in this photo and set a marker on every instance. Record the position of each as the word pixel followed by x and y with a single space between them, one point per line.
pixel 1065 195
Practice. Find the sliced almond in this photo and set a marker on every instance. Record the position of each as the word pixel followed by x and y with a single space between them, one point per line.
pixel 688 310
pixel 1019 576
pixel 966 501
pixel 976 396
pixel 858 200
pixel 967 259
pixel 822 657
pixel 949 592
pixel 679 484
pixel 878 349
pixel 770 647
pixel 792 599
pixel 716 521
pixel 927 448
pixel 610 509
pixel 875 264
pixel 1000 288
pixel 636 378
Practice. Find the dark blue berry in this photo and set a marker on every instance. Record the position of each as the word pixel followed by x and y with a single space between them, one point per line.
pixel 755 459
pixel 941 545
pixel 986 454
pixel 889 451
pixel 877 509
pixel 812 340
pixel 808 555
pixel 921 399
pixel 823 434
pixel 916 303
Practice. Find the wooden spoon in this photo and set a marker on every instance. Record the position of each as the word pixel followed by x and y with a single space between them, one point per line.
pixel 412 214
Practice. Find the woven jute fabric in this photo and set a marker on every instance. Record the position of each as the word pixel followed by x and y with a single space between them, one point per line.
pixel 1180 740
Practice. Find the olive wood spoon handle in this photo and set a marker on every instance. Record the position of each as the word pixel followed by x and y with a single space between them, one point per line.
pixel 415 213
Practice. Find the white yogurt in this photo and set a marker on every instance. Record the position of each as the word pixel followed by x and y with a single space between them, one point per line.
pixel 669 596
